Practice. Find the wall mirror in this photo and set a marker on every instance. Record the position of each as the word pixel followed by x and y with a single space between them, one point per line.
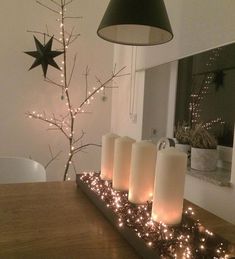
pixel 199 88
pixel 206 79
pixel 206 92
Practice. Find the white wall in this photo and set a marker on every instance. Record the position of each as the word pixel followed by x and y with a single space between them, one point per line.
pixel 197 25
pixel 155 105
pixel 22 90
pixel 159 101
pixel 216 199
pixel 127 121
pixel 173 74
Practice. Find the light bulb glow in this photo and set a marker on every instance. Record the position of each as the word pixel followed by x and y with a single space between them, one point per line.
pixel 179 241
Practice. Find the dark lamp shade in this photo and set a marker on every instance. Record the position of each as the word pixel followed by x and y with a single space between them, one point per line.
pixel 136 22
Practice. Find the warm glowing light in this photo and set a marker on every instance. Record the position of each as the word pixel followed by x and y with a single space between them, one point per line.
pixel 120 224
pixel 179 242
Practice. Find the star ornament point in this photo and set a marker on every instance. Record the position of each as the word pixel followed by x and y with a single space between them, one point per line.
pixel 44 55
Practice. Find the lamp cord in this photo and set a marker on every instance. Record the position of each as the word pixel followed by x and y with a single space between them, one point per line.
pixel 133 82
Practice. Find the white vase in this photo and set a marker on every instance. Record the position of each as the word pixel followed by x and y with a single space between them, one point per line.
pixel 204 159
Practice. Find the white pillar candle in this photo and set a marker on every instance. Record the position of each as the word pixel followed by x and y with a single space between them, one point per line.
pixel 168 194
pixel 121 164
pixel 143 160
pixel 107 154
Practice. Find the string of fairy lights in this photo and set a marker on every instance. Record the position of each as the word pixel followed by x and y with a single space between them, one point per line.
pixel 196 98
pixel 189 240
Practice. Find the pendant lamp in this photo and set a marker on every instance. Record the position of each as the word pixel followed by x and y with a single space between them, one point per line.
pixel 136 22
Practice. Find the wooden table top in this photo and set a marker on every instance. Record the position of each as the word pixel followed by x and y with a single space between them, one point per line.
pixel 214 223
pixel 56 220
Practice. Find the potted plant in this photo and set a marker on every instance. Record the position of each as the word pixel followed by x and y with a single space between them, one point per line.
pixel 183 136
pixel 204 154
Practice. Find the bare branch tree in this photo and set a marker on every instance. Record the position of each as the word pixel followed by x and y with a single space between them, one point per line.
pixel 66 123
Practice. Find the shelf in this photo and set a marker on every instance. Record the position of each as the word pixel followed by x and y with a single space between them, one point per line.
pixel 220 177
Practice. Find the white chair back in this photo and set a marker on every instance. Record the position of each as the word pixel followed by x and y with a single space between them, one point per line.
pixel 21 170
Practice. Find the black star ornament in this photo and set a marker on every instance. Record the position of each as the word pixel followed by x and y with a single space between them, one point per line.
pixel 44 55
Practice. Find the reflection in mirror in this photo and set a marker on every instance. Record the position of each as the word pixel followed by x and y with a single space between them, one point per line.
pixel 206 92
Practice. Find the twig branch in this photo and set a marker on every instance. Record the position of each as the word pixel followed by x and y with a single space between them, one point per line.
pixel 53 129
pixel 101 86
pixel 74 38
pixel 127 74
pixel 78 139
pixel 52 157
pixel 46 34
pixel 48 80
pixel 53 10
pixel 74 167
pixel 70 35
pixel 38 117
pixel 47 29
pixel 53 1
pixel 73 17
pixel 86 79
pixel 69 2
pixel 72 70
pixel 76 150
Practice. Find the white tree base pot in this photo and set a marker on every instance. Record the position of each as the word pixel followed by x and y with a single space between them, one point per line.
pixel 204 159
